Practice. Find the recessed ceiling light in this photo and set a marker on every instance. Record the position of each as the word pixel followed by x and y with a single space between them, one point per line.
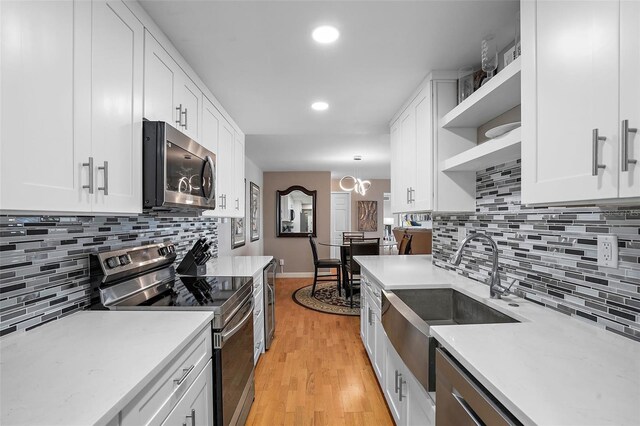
pixel 325 34
pixel 320 106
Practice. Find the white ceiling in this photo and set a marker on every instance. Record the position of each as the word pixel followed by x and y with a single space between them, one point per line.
pixel 259 60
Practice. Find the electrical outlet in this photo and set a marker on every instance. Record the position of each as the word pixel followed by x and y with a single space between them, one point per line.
pixel 462 233
pixel 281 262
pixel 608 251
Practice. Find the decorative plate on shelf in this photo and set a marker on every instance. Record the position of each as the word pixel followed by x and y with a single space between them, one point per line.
pixel 501 130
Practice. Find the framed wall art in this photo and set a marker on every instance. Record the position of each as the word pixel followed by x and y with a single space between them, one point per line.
pixel 254 212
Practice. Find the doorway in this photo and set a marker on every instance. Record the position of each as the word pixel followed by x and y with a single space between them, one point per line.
pixel 340 219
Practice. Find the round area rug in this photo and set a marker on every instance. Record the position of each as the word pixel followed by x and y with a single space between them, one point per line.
pixel 327 300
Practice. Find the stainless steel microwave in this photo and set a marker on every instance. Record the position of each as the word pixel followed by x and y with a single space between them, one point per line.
pixel 177 171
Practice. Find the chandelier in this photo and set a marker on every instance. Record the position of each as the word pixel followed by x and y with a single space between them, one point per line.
pixel 352 183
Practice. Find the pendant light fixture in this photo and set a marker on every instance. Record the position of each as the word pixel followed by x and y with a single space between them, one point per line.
pixel 352 183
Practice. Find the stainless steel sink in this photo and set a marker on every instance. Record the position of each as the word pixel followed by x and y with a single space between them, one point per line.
pixel 447 307
pixel 407 316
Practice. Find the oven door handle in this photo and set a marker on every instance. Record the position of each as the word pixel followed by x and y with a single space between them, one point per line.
pixel 234 330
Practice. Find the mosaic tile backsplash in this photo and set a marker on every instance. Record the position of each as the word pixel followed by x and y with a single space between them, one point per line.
pixel 550 252
pixel 44 260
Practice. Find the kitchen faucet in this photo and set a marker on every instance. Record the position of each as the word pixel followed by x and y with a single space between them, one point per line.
pixel 496 290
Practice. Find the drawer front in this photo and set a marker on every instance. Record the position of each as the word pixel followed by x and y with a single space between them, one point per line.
pixel 258 283
pixel 460 401
pixel 155 401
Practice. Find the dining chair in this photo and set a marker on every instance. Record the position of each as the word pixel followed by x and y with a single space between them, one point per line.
pixel 405 244
pixel 324 263
pixel 366 247
pixel 347 236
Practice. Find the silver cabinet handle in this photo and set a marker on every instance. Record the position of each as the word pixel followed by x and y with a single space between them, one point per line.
pixel 225 201
pixel 105 169
pixel 397 377
pixel 400 384
pixel 185 373
pixel 467 409
pixel 192 417
pixel 185 119
pixel 90 166
pixel 595 165
pixel 221 201
pixel 237 203
pixel 625 145
pixel 369 315
pixel 179 120
pixel 408 196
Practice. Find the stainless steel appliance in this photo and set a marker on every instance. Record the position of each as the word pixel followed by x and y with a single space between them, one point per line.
pixel 177 171
pixel 143 278
pixel 269 302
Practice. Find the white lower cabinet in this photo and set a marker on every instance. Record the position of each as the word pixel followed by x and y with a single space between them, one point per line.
pixel 195 408
pixel 186 384
pixel 408 402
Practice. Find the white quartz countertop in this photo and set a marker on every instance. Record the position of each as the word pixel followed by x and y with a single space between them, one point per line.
pixel 237 266
pixel 85 368
pixel 549 369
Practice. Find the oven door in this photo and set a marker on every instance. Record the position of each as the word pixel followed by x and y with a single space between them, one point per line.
pixel 233 356
pixel 190 172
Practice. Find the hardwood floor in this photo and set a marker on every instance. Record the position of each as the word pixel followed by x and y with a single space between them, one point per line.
pixel 317 372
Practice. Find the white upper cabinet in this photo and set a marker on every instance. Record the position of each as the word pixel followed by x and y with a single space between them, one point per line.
pixel 572 113
pixel 418 147
pixel 169 94
pixel 159 80
pixel 630 97
pixel 75 70
pixel 189 100
pixel 43 144
pixel 116 124
pixel 238 175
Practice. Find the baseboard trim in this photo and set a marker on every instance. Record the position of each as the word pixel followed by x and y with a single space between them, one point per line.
pixel 294 275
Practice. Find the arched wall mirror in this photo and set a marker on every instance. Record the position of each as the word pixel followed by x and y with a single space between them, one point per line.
pixel 296 212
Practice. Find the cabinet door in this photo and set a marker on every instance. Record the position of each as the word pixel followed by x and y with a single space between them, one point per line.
pixel 380 348
pixel 196 406
pixel 569 88
pixel 225 169
pixel 211 131
pixel 238 175
pixel 424 169
pixel 189 97
pixel 408 154
pixel 44 140
pixel 363 318
pixel 398 192
pixel 630 93
pixel 393 377
pixel 420 408
pixel 159 80
pixel 116 92
pixel 371 332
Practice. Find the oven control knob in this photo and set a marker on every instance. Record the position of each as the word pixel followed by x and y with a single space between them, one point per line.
pixel 113 262
pixel 163 251
pixel 125 259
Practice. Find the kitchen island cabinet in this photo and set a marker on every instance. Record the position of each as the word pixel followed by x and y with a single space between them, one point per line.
pixel 104 367
pixel 598 377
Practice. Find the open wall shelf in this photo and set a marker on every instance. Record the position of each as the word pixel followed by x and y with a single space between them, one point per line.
pixel 497 96
pixel 495 151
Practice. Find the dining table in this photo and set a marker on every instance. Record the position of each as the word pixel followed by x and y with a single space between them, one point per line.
pixel 344 252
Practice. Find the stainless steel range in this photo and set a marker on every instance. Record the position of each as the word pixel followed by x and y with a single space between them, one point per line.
pixel 143 278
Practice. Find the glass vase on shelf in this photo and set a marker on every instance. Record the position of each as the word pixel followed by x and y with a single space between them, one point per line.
pixel 489 55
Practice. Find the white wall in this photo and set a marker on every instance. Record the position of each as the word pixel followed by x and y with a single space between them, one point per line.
pixel 255 248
